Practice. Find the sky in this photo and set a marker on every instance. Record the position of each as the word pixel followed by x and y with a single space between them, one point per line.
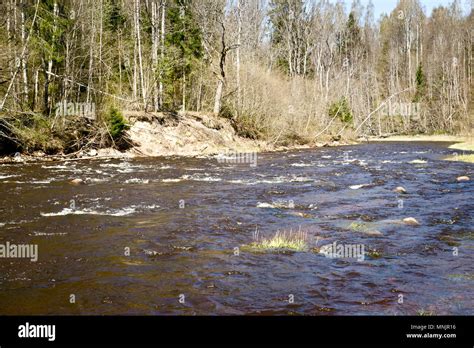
pixel 386 6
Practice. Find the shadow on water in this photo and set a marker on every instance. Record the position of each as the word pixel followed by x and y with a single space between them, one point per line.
pixel 182 219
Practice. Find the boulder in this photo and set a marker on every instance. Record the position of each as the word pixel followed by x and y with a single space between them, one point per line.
pixel 411 221
pixel 400 189
pixel 77 181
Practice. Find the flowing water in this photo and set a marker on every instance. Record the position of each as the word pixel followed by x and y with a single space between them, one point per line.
pixel 183 218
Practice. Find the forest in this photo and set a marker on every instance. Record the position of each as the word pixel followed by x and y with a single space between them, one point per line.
pixel 283 71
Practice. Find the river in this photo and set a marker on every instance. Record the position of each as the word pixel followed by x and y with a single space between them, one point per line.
pixel 167 235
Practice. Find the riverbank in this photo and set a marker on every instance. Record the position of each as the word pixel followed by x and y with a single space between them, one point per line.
pixel 195 134
pixel 459 143
pixel 426 137
pixel 175 134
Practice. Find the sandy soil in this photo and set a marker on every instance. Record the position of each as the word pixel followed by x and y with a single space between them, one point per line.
pixel 434 138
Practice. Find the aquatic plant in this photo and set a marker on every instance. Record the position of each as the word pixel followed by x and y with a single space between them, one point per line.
pixel 375 254
pixel 358 226
pixel 465 276
pixel 423 312
pixel 281 240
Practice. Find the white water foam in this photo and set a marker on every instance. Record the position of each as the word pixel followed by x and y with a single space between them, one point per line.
pixel 301 164
pixel 111 212
pixel 108 212
pixel 171 180
pixel 30 182
pixel 7 176
pixel 39 234
pixel 137 181
pixel 356 187
pixel 58 167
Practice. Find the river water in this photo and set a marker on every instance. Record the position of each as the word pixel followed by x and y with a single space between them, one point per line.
pixel 186 221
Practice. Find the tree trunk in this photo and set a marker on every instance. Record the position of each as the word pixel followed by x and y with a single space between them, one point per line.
pixel 218 97
pixel 237 62
pixel 162 50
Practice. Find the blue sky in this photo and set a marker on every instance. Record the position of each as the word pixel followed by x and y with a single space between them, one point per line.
pixel 386 6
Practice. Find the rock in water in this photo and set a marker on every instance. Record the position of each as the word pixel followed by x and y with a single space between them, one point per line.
pixel 417 161
pixel 411 221
pixel 400 189
pixel 356 187
pixel 77 181
pixel 463 178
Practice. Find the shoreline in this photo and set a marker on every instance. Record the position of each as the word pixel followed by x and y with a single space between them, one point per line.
pixel 425 138
pixel 183 135
pixel 133 153
pixel 242 145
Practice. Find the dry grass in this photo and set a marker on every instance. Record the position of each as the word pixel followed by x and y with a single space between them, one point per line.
pixel 467 145
pixel 462 158
pixel 464 146
pixel 433 138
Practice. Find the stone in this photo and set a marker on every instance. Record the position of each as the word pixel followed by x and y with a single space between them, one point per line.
pixel 400 189
pixel 411 221
pixel 77 181
pixel 373 233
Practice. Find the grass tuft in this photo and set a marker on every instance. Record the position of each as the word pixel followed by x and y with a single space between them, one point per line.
pixel 281 240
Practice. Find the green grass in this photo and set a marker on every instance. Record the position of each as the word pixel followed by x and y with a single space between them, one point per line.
pixel 466 276
pixel 281 240
pixel 358 226
pixel 375 254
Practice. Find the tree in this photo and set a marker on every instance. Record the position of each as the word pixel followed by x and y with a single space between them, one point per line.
pixel 420 84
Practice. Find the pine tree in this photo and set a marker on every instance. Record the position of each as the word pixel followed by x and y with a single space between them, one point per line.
pixel 420 84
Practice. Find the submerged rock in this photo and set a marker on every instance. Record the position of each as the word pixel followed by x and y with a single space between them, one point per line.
pixel 411 221
pixel 400 189
pixel 300 214
pixel 373 233
pixel 462 178
pixel 77 182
